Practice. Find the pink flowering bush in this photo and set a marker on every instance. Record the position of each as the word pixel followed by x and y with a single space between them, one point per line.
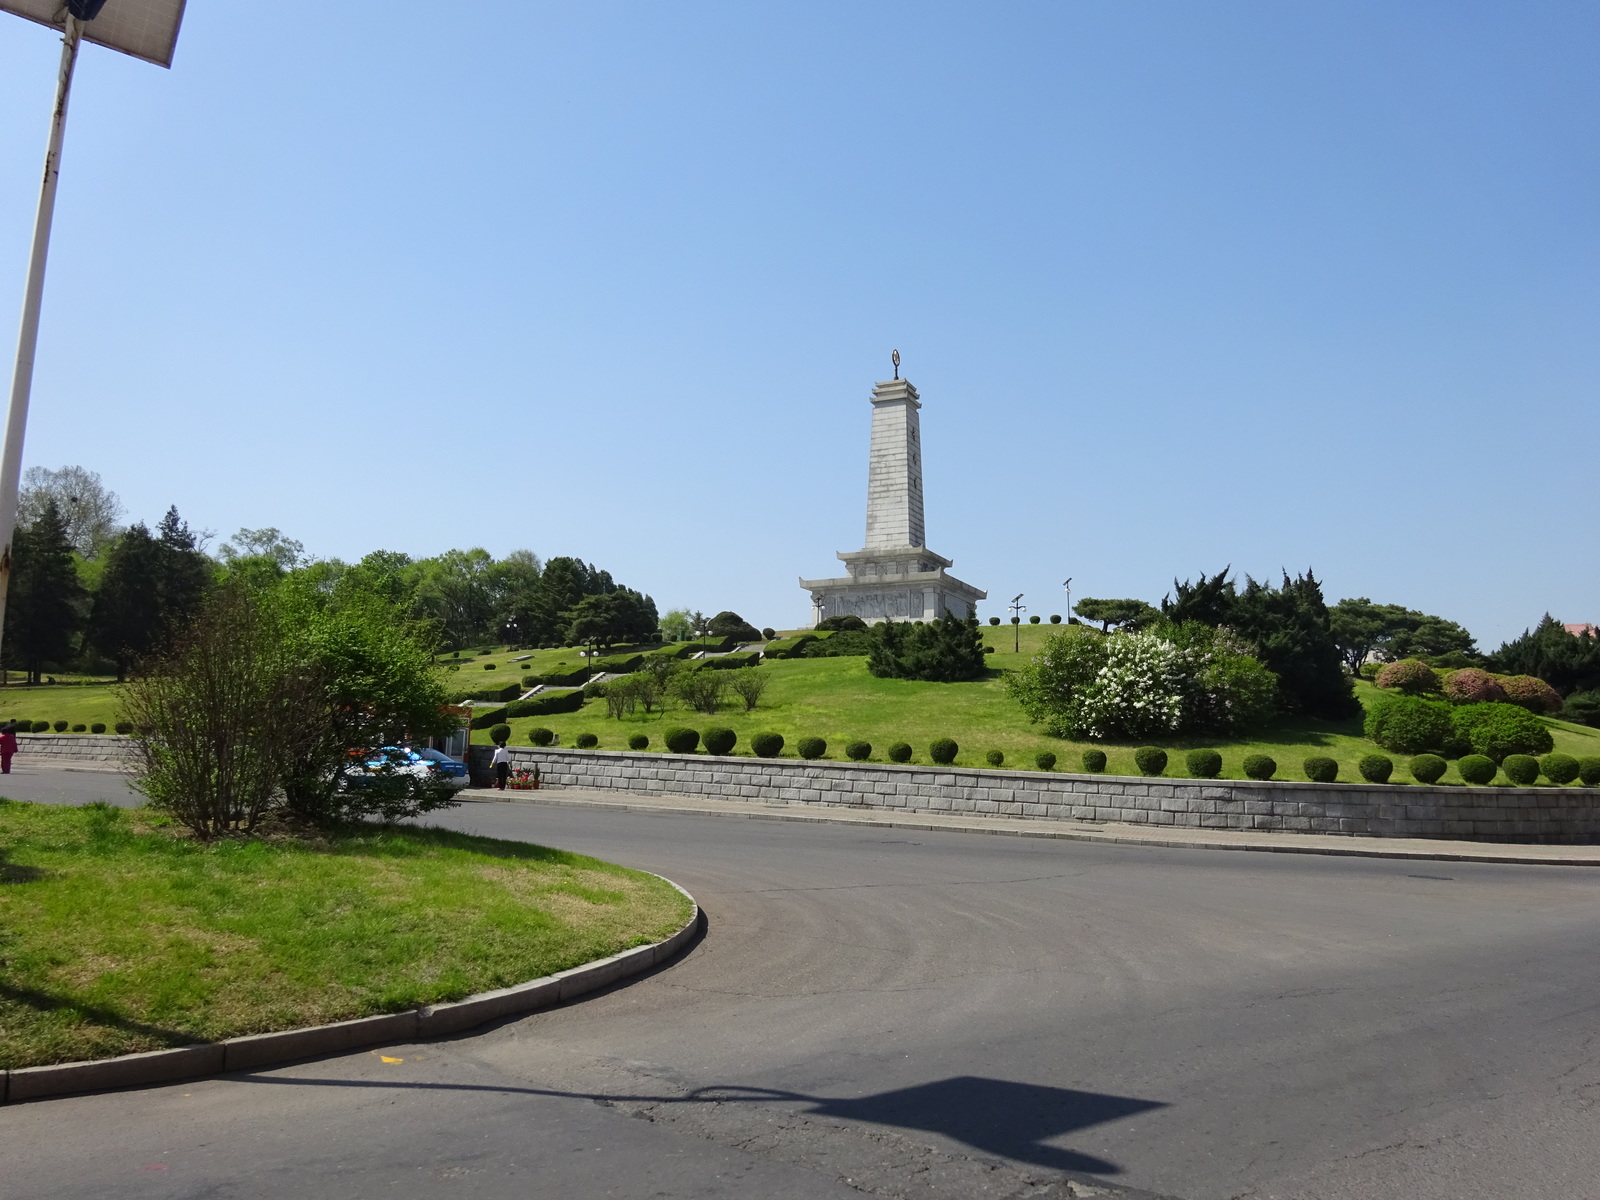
pixel 1472 686
pixel 1530 692
pixel 1410 675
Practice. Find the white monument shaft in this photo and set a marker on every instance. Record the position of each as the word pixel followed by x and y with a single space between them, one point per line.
pixel 895 577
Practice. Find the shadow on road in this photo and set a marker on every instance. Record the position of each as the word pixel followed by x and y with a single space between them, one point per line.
pixel 995 1116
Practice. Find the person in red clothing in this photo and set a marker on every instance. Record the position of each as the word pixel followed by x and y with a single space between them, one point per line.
pixel 8 746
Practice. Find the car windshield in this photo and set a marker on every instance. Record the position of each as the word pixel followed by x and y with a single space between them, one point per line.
pixel 438 756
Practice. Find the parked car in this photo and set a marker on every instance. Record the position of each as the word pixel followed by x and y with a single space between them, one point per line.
pixel 406 760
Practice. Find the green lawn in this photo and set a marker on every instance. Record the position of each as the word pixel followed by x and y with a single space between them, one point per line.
pixel 120 934
pixel 836 699
pixel 75 703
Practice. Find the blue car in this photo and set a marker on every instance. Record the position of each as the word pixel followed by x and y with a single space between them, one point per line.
pixel 405 760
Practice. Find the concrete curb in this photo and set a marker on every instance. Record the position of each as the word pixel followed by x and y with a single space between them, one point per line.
pixel 1289 843
pixel 292 1045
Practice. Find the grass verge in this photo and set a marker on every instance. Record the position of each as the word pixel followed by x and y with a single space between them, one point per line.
pixel 120 934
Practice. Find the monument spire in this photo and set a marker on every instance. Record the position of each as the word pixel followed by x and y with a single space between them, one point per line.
pixel 894 470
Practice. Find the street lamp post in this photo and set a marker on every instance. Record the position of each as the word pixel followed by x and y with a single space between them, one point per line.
pixel 1068 586
pixel 146 29
pixel 1017 609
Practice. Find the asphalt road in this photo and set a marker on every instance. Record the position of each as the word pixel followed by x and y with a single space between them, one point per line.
pixel 946 1015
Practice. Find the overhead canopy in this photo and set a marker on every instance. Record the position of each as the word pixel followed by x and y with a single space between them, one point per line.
pixel 146 29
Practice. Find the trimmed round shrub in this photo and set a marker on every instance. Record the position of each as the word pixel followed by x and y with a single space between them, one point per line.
pixel 80 729
pixel 988 649
pixel 995 758
pixel 489 666
pixel 1016 620
pixel 1376 768
pixel 1045 761
pixel 767 745
pixel 1203 764
pixel 811 747
pixel 1411 676
pixel 1472 686
pixel 1410 725
pixel 994 620
pixel 1260 766
pixel 1559 769
pixel 541 736
pixel 1151 760
pixel 769 633
pixel 500 734
pixel 100 727
pixel 1496 730
pixel 1521 769
pixel 1321 769
pixel 900 752
pixel 1033 620
pixel 639 741
pixel 1094 762
pixel 61 726
pixel 1055 618
pixel 858 751
pixel 586 741
pixel 1530 692
pixel 720 741
pixel 1477 769
pixel 681 741
pixel 1588 770
pixel 944 751
pixel 1427 768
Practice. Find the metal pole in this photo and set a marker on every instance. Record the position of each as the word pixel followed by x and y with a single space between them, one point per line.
pixel 33 297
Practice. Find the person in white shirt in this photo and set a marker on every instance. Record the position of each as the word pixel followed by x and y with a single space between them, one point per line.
pixel 502 765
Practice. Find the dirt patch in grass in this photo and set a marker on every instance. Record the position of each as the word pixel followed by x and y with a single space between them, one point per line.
pixel 118 933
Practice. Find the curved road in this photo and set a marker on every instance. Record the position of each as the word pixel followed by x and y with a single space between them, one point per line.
pixel 942 1015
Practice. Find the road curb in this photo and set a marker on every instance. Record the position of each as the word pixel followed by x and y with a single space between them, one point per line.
pixel 256 1051
pixel 990 826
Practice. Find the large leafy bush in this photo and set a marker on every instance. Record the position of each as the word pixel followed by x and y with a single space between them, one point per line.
pixel 1410 724
pixel 1496 730
pixel 1472 686
pixel 1531 693
pixel 942 651
pixel 1410 675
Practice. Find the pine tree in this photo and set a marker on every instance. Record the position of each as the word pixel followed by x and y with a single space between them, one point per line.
pixel 129 619
pixel 184 571
pixel 45 604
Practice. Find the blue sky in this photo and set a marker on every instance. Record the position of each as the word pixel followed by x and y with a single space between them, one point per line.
pixel 1268 284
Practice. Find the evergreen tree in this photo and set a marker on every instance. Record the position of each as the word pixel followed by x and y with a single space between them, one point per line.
pixel 1564 660
pixel 45 604
pixel 942 651
pixel 185 572
pixel 128 621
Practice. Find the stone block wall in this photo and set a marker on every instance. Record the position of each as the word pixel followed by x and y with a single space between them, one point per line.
pixel 1500 814
pixel 83 749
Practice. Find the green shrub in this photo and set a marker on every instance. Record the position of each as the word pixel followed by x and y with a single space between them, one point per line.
pixel 100 727
pixel 900 752
pixel 720 741
pixel 994 620
pixel 1410 675
pixel 80 729
pixel 1033 620
pixel 1410 725
pixel 858 751
pixel 557 678
pixel 587 741
pixel 1521 769
pixel 500 734
pixel 1321 769
pixel 540 736
pixel 811 747
pixel 1376 768
pixel 1260 766
pixel 1045 761
pixel 1559 769
pixel 1583 708
pixel 1530 692
pixel 61 726
pixel 1203 764
pixel 767 745
pixel 43 726
pixel 1588 769
pixel 681 741
pixel 944 751
pixel 995 758
pixel 1496 730
pixel 1055 618
pixel 639 741
pixel 847 622
pixel 1094 762
pixel 1151 760
pixel 1477 769
pixel 1369 670
pixel 490 667
pixel 547 704
pixel 769 633
pixel 1427 768
pixel 124 727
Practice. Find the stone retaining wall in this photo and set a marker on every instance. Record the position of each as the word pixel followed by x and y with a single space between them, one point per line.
pixel 89 749
pixel 1500 814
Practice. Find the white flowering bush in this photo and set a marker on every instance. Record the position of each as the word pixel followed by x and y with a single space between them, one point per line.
pixel 1176 679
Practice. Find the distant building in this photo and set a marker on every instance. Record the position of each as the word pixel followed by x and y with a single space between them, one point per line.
pixel 1583 629
pixel 895 577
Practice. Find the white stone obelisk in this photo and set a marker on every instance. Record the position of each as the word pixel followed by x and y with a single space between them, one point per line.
pixel 894 471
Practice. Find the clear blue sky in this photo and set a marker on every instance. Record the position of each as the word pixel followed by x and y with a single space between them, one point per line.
pixel 1275 285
